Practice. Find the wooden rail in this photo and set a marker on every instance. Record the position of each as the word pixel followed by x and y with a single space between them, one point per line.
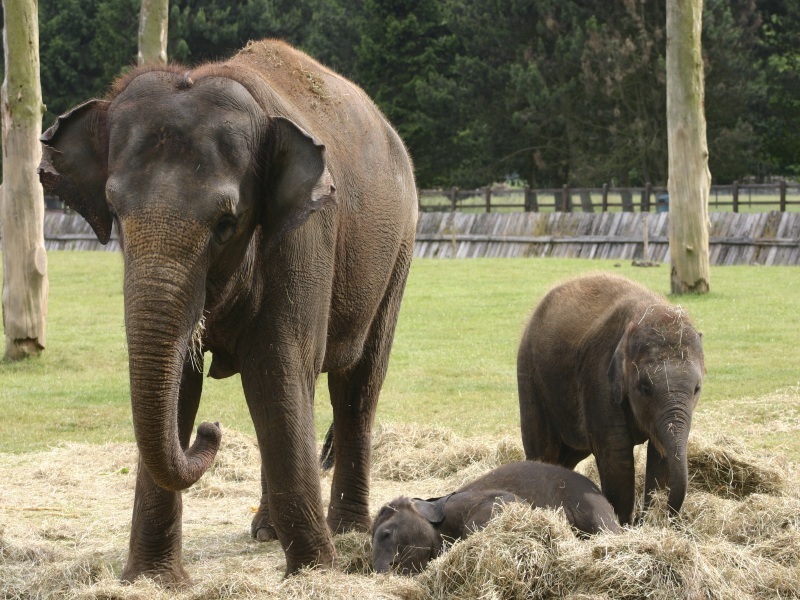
pixel 735 197
pixel 771 238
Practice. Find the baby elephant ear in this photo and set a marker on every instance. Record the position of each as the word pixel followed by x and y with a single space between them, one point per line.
pixel 432 511
pixel 74 163
pixel 616 369
pixel 297 180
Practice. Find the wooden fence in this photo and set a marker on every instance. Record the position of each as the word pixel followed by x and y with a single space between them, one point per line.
pixel 780 196
pixel 771 238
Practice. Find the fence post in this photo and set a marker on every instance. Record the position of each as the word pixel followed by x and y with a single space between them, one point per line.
pixel 736 196
pixel 648 189
pixel 627 199
pixel 454 198
pixel 783 195
pixel 565 203
pixel 487 193
pixel 531 200
pixel 605 197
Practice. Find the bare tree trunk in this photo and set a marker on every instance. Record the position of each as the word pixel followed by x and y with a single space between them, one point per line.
pixel 25 284
pixel 153 21
pixel 689 177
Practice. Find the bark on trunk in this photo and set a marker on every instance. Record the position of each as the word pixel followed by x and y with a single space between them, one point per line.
pixel 25 284
pixel 689 177
pixel 153 22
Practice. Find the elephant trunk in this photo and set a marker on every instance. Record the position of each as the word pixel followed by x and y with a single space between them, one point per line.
pixel 161 312
pixel 674 435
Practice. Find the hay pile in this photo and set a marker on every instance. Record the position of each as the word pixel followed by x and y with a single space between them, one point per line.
pixel 65 514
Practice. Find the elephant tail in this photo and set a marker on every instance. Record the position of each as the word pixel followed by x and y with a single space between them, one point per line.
pixel 326 454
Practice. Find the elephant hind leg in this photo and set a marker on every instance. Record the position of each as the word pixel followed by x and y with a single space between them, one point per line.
pixel 539 439
pixel 570 457
pixel 354 397
pixel 261 527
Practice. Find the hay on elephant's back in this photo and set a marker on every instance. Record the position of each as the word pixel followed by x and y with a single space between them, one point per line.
pixel 402 452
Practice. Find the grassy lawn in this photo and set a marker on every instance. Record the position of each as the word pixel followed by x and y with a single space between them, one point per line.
pixel 453 362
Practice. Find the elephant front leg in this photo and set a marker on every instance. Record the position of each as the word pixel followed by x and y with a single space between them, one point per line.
pixel 291 504
pixel 617 480
pixel 155 549
pixel 156 531
pixel 656 476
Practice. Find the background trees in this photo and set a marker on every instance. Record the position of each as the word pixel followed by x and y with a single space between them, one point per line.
pixel 553 91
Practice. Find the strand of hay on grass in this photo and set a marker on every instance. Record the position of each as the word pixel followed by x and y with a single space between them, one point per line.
pixel 723 466
pixel 718 464
pixel 738 534
pixel 238 461
pixel 403 452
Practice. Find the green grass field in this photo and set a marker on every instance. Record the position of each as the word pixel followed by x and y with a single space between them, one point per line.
pixel 453 363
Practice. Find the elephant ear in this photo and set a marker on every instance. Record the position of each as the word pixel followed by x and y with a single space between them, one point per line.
pixel 616 369
pixel 297 179
pixel 431 510
pixel 74 163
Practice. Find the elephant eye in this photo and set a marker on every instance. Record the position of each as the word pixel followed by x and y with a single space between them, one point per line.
pixel 645 387
pixel 697 389
pixel 225 227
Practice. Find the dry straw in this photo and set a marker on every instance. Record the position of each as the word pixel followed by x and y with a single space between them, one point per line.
pixel 65 514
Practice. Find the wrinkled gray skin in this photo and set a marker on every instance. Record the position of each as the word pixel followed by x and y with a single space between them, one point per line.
pixel 605 364
pixel 410 532
pixel 266 211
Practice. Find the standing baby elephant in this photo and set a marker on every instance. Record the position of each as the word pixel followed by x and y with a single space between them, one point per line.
pixel 266 212
pixel 408 533
pixel 604 365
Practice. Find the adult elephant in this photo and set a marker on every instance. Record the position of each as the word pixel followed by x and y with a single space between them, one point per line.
pixel 606 364
pixel 266 212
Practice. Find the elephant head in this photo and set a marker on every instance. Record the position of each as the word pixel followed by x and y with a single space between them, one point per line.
pixel 658 368
pixel 191 172
pixel 404 535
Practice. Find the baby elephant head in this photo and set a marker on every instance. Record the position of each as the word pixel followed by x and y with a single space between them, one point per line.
pixel 404 535
pixel 658 369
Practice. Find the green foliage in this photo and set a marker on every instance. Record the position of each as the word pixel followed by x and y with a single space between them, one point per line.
pixel 552 91
pixel 453 361
pixel 83 46
pixel 402 52
pixel 779 114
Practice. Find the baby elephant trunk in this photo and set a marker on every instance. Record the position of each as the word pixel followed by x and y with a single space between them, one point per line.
pixel 674 436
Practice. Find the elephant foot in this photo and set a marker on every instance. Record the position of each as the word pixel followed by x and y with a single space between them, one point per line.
pixel 171 577
pixel 324 559
pixel 261 528
pixel 342 520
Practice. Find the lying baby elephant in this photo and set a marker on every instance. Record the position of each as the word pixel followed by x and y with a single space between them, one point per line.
pixel 408 533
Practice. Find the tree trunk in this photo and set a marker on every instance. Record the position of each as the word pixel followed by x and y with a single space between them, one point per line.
pixel 153 20
pixel 25 284
pixel 689 177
